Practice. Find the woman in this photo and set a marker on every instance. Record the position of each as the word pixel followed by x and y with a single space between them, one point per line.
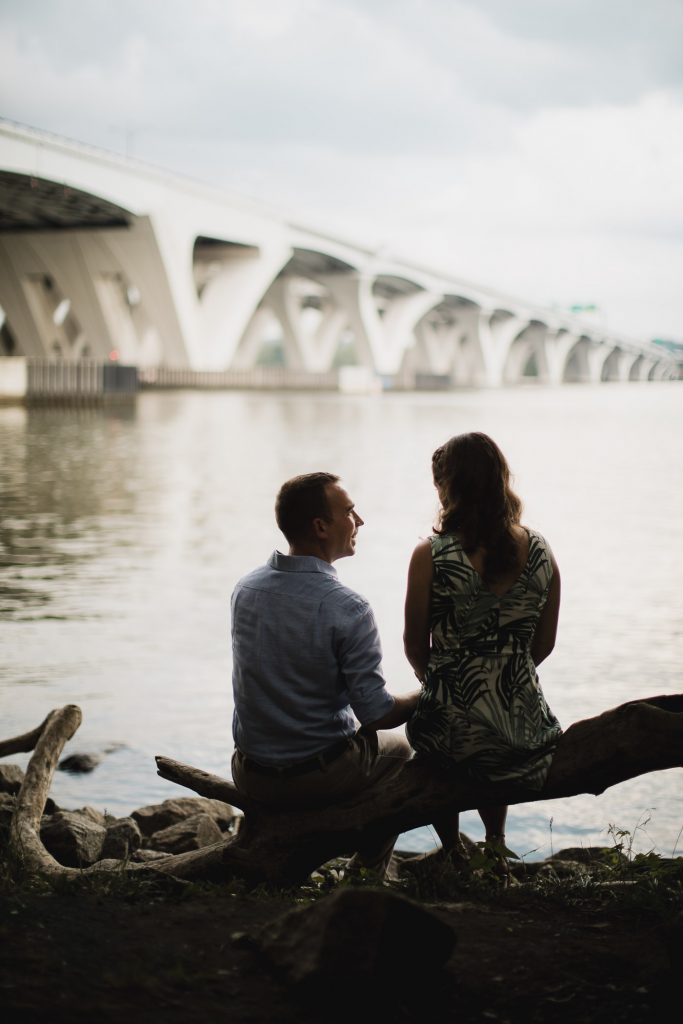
pixel 481 613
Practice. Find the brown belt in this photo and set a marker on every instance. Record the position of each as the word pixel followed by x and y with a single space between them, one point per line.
pixel 286 771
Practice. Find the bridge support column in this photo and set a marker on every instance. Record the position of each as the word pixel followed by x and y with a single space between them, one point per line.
pixel 399 328
pixel 436 349
pixel 239 278
pixel 352 293
pixel 322 347
pixel 530 343
pixel 640 368
pixel 497 330
pixel 558 345
pixel 613 363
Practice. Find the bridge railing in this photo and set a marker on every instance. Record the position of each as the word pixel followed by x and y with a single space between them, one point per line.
pixel 61 382
pixel 82 382
pixel 261 377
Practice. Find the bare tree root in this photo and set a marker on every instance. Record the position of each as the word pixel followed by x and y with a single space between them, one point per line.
pixel 26 849
pixel 285 846
pixel 282 846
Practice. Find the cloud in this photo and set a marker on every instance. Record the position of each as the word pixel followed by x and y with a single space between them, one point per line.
pixel 442 77
pixel 535 145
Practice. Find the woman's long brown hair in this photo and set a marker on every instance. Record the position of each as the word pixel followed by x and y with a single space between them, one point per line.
pixel 477 501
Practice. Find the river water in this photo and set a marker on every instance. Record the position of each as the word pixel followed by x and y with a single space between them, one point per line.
pixel 123 531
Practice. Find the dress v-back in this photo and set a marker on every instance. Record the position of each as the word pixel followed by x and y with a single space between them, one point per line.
pixel 482 706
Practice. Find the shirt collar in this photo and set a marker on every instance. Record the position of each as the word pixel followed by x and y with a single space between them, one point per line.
pixel 300 563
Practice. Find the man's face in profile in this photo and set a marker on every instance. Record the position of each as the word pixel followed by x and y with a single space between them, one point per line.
pixel 343 524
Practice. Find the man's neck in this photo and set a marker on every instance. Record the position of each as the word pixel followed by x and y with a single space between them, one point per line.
pixel 311 549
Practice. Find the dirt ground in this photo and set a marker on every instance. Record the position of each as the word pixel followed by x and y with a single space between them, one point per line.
pixel 190 955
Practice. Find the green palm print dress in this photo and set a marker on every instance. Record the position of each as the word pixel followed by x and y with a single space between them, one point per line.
pixel 481 705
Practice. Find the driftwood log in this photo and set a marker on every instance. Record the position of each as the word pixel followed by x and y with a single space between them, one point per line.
pixel 283 847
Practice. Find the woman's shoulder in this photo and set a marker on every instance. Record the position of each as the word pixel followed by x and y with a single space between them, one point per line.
pixel 541 558
pixel 537 539
pixel 443 542
pixel 445 547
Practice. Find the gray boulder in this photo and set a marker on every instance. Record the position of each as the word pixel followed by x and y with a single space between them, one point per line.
pixel 364 937
pixel 79 764
pixel 155 817
pixel 192 833
pixel 72 838
pixel 123 838
pixel 11 778
pixel 92 814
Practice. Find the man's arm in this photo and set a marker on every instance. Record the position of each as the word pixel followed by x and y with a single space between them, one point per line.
pixel 360 657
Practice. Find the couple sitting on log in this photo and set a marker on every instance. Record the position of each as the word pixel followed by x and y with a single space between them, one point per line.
pixel 481 613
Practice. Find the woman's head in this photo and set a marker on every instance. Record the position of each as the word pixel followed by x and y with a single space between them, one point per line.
pixel 477 502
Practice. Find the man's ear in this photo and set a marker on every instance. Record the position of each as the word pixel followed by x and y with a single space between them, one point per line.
pixel 320 528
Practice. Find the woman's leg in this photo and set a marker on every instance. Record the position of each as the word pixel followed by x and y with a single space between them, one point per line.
pixel 494 819
pixel 494 822
pixel 448 831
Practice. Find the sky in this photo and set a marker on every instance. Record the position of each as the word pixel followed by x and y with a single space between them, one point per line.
pixel 530 146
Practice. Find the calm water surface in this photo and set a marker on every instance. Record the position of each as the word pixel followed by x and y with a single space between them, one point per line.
pixel 123 532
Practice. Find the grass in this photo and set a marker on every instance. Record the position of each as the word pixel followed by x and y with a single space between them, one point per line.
pixel 612 876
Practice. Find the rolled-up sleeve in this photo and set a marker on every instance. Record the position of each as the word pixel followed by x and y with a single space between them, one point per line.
pixel 359 654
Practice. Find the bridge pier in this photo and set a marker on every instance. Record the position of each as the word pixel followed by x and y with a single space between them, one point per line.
pixel 103 255
pixel 231 281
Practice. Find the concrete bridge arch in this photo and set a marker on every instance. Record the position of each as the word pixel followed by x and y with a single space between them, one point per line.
pixel 102 256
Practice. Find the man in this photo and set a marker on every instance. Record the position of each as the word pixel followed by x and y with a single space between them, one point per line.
pixel 307 666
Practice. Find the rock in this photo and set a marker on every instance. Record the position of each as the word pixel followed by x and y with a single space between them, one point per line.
pixel 145 855
pixel 79 763
pixel 72 838
pixel 155 817
pixel 192 833
pixel 11 778
pixel 112 748
pixel 92 814
pixel 225 815
pixel 123 838
pixel 373 938
pixel 589 854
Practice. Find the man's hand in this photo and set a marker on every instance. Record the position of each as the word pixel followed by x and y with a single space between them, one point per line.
pixel 400 713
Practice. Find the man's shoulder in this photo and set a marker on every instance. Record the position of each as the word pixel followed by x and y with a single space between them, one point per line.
pixel 325 586
pixel 257 575
pixel 345 597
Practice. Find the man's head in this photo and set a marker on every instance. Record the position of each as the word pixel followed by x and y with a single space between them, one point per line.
pixel 317 516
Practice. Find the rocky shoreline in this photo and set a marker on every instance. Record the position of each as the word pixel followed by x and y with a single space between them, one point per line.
pixel 583 936
pixel 86 836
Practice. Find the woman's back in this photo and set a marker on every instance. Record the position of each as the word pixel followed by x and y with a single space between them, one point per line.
pixel 465 607
pixel 482 705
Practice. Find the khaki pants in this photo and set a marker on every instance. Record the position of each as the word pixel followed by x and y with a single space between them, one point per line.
pixel 371 761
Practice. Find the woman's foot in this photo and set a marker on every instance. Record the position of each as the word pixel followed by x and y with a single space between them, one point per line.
pixel 455 856
pixel 495 852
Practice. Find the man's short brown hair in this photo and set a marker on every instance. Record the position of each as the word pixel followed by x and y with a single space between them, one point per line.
pixel 301 500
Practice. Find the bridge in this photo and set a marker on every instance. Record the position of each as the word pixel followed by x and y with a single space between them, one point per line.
pixel 105 258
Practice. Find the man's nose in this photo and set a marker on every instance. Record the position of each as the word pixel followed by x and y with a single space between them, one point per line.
pixel 359 521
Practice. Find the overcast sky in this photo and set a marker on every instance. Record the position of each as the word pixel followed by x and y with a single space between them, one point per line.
pixel 534 146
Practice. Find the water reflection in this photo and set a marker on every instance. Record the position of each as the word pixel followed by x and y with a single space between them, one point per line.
pixel 122 533
pixel 68 480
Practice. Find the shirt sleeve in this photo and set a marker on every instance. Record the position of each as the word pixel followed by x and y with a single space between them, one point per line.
pixel 360 662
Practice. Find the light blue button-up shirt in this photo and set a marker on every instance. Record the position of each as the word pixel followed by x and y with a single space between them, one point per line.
pixel 306 658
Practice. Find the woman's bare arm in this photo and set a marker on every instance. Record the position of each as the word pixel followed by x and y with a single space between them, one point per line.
pixel 546 630
pixel 417 606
